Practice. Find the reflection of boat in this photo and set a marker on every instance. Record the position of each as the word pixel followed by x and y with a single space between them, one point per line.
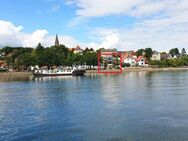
pixel 59 71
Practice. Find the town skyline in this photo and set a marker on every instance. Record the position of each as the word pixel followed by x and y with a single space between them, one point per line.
pixel 160 25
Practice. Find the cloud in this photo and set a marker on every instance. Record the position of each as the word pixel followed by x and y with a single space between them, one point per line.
pixel 160 24
pixel 161 39
pixel 97 8
pixel 158 11
pixel 12 35
pixel 141 36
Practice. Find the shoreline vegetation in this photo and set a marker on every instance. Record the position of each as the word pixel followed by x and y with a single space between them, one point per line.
pixel 17 59
pixel 130 69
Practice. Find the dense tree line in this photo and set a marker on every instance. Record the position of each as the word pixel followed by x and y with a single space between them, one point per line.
pixel 181 61
pixel 19 57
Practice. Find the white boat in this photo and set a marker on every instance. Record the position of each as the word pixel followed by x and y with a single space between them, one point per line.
pixel 59 71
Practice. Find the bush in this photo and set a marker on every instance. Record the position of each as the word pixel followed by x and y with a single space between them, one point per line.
pixel 126 65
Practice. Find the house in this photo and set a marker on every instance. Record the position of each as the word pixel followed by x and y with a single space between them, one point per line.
pixel 107 54
pixel 2 64
pixel 71 49
pixel 78 50
pixel 129 58
pixel 166 56
pixel 109 57
pixel 2 54
pixel 156 56
pixel 141 61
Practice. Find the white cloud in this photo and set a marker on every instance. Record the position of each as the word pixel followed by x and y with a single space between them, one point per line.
pixel 160 12
pixel 96 8
pixel 160 24
pixel 160 39
pixel 12 35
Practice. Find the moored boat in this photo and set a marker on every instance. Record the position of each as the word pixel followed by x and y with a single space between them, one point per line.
pixel 59 71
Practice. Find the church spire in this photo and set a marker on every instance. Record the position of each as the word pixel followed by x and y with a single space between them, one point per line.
pixel 56 41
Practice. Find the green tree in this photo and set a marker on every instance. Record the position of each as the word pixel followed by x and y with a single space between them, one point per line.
pixel 148 53
pixel 86 50
pixel 183 52
pixel 174 51
pixel 140 52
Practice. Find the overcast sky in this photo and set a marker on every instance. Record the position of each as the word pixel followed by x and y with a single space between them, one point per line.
pixel 121 24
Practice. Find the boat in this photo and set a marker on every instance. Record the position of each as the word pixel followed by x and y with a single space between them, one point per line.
pixel 59 71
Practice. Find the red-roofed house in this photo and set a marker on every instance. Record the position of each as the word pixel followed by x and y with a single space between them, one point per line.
pixel 142 61
pixel 2 64
pixel 129 58
pixel 78 50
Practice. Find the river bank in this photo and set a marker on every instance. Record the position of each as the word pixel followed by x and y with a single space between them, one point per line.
pixel 138 69
pixel 131 69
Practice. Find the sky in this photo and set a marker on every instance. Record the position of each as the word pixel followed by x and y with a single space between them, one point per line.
pixel 121 24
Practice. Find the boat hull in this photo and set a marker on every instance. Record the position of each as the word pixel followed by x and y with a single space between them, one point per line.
pixel 74 73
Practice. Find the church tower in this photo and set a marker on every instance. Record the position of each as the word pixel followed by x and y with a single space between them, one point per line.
pixel 56 41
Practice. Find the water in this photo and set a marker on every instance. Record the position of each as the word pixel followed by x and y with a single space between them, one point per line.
pixel 131 107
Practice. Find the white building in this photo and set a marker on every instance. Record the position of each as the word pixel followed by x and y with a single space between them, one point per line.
pixel 78 50
pixel 142 61
pixel 129 58
pixel 156 56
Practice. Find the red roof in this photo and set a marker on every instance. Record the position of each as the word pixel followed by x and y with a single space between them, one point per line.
pixel 140 58
pixel 128 55
pixel 77 48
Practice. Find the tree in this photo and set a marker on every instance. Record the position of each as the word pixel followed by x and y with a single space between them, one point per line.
pixel 148 53
pixel 183 52
pixel 24 60
pixel 91 49
pixel 7 50
pixel 39 49
pixel 91 59
pixel 140 52
pixel 86 50
pixel 174 51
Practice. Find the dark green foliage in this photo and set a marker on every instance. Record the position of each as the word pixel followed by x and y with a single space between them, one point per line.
pixel 56 55
pixel 183 52
pixel 182 61
pixel 140 52
pixel 126 65
pixel 147 53
pixel 174 51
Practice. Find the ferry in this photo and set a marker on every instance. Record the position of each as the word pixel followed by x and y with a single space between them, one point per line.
pixel 59 71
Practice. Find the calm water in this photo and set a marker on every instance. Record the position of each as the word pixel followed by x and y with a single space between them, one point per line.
pixel 130 107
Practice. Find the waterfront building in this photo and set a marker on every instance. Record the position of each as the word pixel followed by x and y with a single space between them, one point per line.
pixel 166 56
pixel 2 54
pixel 142 61
pixel 78 50
pixel 108 53
pixel 129 58
pixel 156 56
pixel 2 64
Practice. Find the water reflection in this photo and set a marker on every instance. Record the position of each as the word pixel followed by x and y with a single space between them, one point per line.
pixel 132 106
pixel 55 78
